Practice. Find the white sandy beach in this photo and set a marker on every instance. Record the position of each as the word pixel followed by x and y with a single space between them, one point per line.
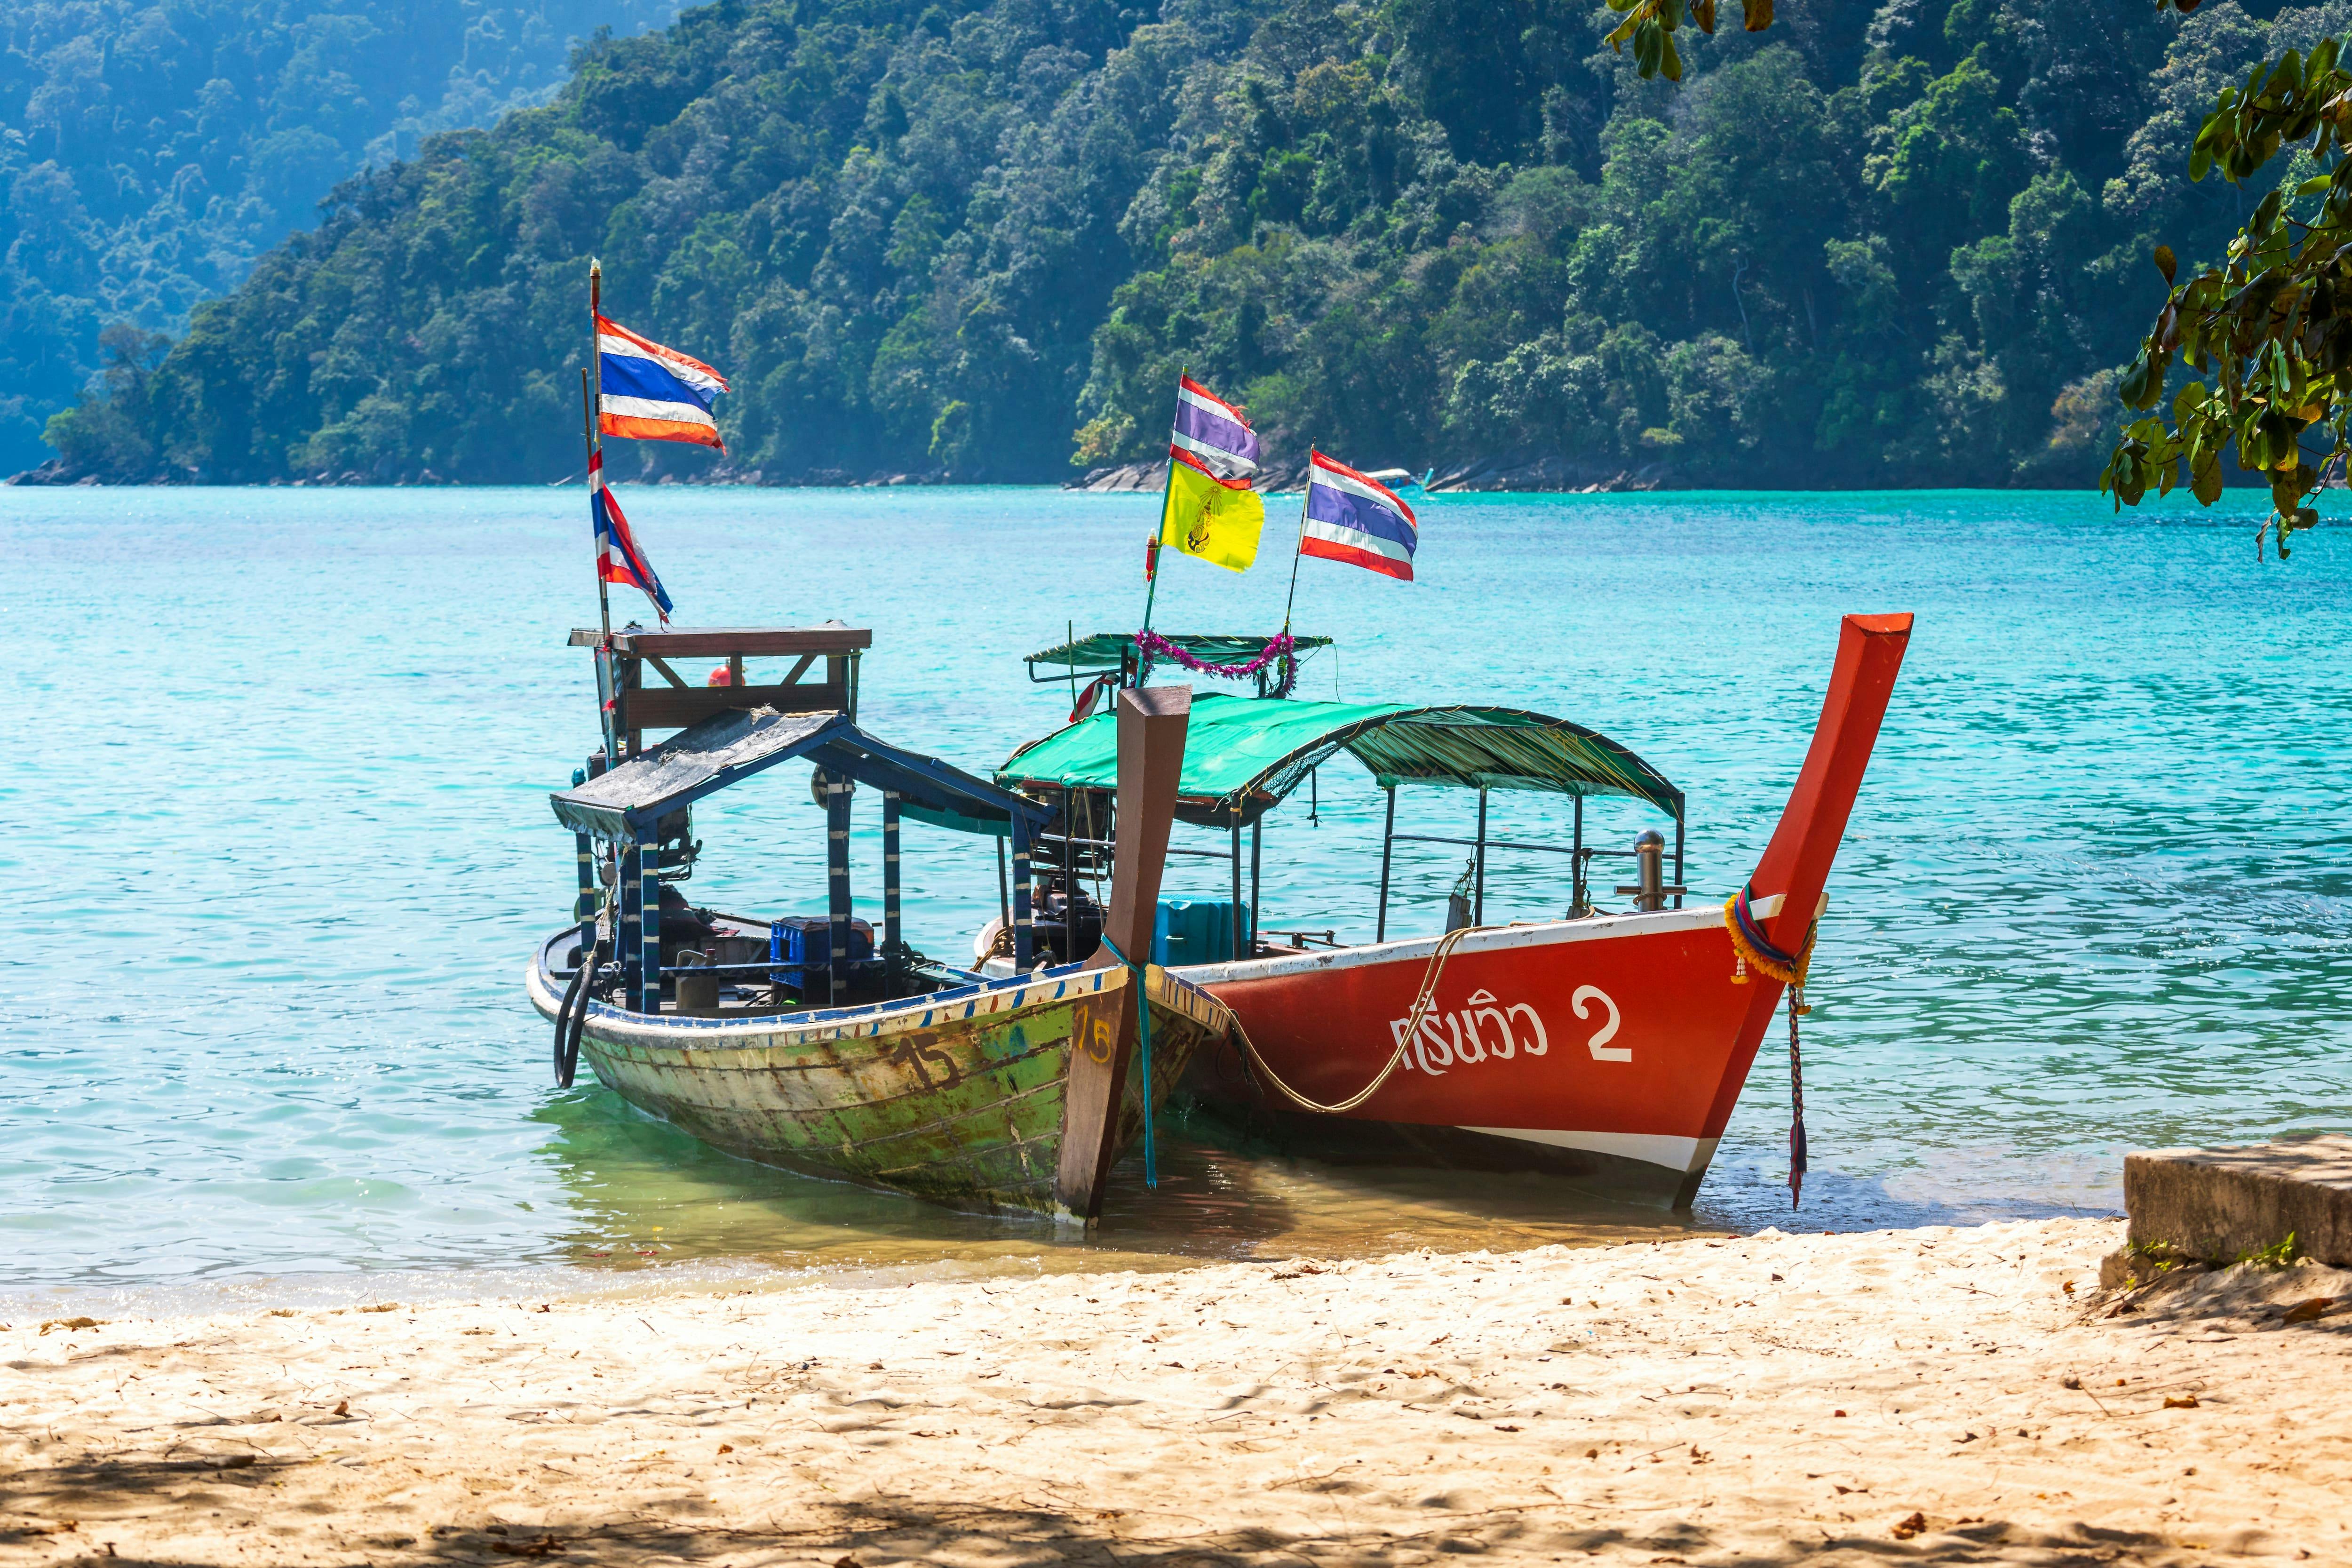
pixel 1931 1395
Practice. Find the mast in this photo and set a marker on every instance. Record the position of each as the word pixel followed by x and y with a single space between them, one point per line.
pixel 591 380
pixel 1305 495
pixel 1159 526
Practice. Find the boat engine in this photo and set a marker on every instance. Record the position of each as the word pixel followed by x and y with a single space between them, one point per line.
pixel 1068 925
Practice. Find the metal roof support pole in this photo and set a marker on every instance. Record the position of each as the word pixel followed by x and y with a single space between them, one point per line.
pixel 891 882
pixel 1003 894
pixel 1388 839
pixel 1024 938
pixel 1576 909
pixel 608 711
pixel 1237 883
pixel 584 908
pixel 1478 883
pixel 1678 861
pixel 649 929
pixel 629 926
pixel 1256 830
pixel 836 866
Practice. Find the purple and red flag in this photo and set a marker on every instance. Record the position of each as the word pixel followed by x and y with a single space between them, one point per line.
pixel 618 559
pixel 648 393
pixel 1213 431
pixel 1356 518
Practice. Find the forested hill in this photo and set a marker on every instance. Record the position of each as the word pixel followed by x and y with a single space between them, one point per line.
pixel 150 150
pixel 1897 245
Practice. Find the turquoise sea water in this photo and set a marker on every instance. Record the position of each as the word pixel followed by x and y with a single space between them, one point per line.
pixel 277 842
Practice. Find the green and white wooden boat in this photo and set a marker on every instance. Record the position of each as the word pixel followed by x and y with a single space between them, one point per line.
pixel 956 1095
pixel 801 1043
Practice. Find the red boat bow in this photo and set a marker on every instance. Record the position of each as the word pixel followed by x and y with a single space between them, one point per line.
pixel 1796 863
pixel 1613 1046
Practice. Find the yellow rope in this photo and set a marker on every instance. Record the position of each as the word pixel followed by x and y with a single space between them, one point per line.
pixel 1430 976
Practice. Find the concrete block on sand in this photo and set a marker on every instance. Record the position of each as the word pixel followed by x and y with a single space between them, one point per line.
pixel 2220 1205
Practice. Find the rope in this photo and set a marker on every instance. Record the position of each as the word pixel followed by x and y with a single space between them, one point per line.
pixel 1430 975
pixel 1143 1020
pixel 1751 947
pixel 1797 1160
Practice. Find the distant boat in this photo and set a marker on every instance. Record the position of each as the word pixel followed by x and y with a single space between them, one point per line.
pixel 799 1041
pixel 1402 479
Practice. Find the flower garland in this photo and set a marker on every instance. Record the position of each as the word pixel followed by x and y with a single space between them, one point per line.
pixel 1152 646
pixel 1752 946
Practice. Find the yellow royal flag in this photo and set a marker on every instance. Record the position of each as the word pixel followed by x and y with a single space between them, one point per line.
pixel 1217 520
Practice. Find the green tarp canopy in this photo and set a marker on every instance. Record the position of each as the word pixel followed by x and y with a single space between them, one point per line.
pixel 1100 653
pixel 1242 754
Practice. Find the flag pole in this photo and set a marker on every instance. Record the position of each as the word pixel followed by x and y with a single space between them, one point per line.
pixel 1306 493
pixel 588 430
pixel 592 379
pixel 1158 524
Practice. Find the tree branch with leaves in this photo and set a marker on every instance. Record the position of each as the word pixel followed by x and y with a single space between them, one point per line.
pixel 1651 25
pixel 2267 333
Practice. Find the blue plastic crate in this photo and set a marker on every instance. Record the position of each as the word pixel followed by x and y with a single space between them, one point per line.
pixel 1193 930
pixel 800 948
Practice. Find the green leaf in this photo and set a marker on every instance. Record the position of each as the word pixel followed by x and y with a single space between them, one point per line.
pixel 2288 76
pixel 2205 480
pixel 1671 64
pixel 1649 49
pixel 2132 389
pixel 1757 14
pixel 2313 185
pixel 2165 262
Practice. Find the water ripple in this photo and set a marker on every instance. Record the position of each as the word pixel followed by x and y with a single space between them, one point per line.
pixel 276 822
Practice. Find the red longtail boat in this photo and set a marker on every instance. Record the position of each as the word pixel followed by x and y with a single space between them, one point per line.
pixel 1605 1046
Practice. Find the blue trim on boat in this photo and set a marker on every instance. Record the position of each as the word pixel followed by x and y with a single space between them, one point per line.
pixel 818 1017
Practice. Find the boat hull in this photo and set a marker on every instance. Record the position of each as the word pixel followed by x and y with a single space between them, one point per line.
pixel 956 1097
pixel 1610 1048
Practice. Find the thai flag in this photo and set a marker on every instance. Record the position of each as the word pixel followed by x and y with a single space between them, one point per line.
pixel 648 393
pixel 1213 431
pixel 1357 520
pixel 618 559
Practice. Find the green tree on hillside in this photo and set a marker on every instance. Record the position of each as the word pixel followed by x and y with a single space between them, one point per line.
pixel 2264 334
pixel 1885 242
pixel 150 150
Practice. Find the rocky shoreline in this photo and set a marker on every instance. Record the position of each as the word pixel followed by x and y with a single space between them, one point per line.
pixel 1508 471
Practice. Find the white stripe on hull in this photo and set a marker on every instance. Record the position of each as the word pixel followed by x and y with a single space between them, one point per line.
pixel 1680 1155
